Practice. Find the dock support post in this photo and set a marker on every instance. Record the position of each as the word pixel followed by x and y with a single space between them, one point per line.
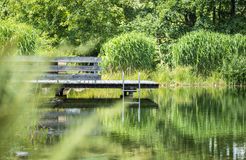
pixel 123 96
pixel 129 92
pixel 139 98
pixel 62 92
pixel 59 92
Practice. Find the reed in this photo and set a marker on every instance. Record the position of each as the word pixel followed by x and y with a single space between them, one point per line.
pixel 208 52
pixel 18 112
pixel 20 38
pixel 129 52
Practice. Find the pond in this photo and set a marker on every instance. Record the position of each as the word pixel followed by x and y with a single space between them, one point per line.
pixel 180 123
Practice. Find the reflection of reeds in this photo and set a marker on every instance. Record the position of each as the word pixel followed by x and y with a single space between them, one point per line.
pixel 187 119
pixel 209 114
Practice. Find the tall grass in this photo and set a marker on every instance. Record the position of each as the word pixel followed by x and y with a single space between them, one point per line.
pixel 184 76
pixel 165 76
pixel 20 38
pixel 130 51
pixel 18 106
pixel 207 52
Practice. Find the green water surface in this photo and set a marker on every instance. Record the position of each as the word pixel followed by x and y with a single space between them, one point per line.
pixel 186 123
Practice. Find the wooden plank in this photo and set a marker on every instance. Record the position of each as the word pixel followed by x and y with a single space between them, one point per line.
pixel 56 59
pixel 56 68
pixel 98 83
pixel 70 77
pixel 77 59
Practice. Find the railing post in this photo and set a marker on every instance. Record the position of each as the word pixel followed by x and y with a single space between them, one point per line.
pixel 139 102
pixel 123 95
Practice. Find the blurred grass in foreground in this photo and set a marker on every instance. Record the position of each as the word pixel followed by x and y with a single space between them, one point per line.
pixel 18 111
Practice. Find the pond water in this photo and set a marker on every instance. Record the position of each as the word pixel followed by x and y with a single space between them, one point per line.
pixel 184 123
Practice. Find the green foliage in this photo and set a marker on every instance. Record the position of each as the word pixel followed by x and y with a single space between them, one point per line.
pixel 18 112
pixel 207 51
pixel 76 21
pixel 180 17
pixel 65 48
pixel 19 36
pixel 85 25
pixel 234 71
pixel 147 24
pixel 131 51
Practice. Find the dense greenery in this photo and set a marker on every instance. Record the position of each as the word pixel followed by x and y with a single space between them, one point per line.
pixel 82 19
pixel 208 51
pixel 235 71
pixel 20 37
pixel 82 27
pixel 128 52
pixel 173 42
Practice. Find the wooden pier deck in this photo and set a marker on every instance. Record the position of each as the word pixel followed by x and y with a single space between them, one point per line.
pixel 79 72
pixel 98 83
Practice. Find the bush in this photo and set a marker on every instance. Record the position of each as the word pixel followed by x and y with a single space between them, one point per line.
pixel 235 70
pixel 20 37
pixel 207 51
pixel 130 51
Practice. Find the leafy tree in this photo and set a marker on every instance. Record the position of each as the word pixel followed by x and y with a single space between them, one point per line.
pixel 76 21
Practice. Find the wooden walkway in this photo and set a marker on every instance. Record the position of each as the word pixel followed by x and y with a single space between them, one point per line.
pixel 98 83
pixel 79 72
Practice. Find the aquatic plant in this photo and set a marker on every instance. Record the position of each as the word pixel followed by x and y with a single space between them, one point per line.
pixel 130 51
pixel 207 51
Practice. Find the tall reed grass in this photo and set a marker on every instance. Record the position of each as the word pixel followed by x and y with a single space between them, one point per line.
pixel 20 38
pixel 18 106
pixel 130 51
pixel 207 52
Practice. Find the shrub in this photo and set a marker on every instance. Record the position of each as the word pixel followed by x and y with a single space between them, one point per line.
pixel 130 51
pixel 19 36
pixel 207 51
pixel 235 70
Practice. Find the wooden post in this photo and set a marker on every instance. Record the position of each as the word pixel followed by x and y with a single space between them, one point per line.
pixel 123 96
pixel 139 98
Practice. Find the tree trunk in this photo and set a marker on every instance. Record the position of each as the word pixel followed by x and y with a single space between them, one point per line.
pixel 233 8
pixel 214 11
pixel 190 18
pixel 219 11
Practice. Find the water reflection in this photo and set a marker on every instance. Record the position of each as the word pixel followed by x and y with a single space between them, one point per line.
pixel 56 120
pixel 188 123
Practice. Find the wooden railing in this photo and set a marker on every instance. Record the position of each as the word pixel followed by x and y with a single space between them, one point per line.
pixel 73 68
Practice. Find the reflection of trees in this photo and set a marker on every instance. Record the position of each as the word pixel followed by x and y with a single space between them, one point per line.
pixel 210 114
pixel 190 123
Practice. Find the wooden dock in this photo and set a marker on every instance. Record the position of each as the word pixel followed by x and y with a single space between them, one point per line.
pixel 98 83
pixel 79 72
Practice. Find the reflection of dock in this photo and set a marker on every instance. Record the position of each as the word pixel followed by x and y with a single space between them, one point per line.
pixel 92 103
